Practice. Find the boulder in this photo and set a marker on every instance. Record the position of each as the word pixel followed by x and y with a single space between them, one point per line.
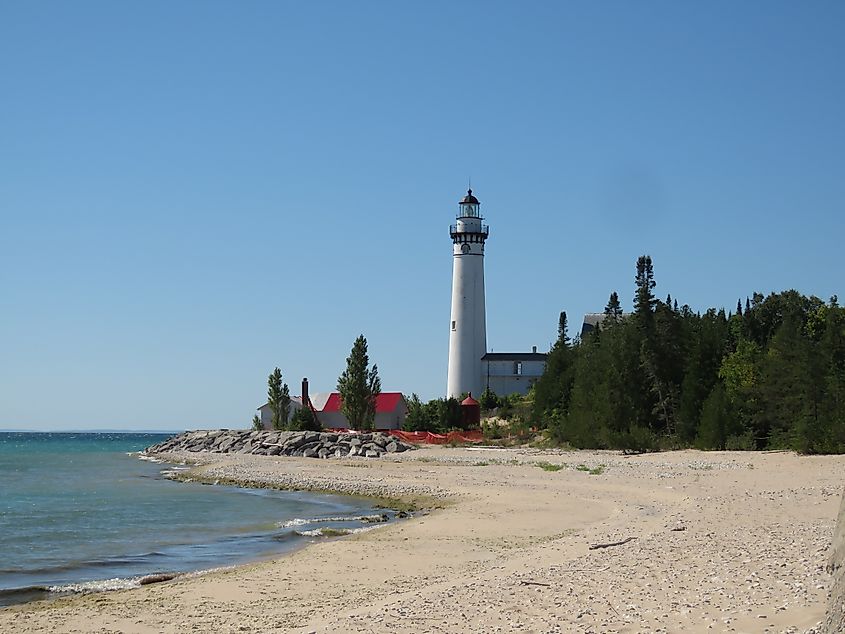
pixel 287 443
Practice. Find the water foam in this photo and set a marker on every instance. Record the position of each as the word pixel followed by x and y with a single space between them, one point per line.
pixel 101 585
pixel 298 521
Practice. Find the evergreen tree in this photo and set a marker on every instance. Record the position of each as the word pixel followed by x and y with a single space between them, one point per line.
pixel 833 398
pixel 488 400
pixel 784 392
pixel 551 391
pixel 562 334
pixel 449 415
pixel 256 423
pixel 278 398
pixel 650 395
pixel 613 310
pixel 359 386
pixel 644 301
pixel 716 420
pixel 303 419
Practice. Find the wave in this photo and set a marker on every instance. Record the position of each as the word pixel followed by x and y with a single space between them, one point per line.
pixel 334 532
pixel 11 596
pixel 90 563
pixel 369 519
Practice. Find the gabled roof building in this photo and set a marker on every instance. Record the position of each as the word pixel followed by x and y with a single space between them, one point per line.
pixel 391 410
pixel 512 372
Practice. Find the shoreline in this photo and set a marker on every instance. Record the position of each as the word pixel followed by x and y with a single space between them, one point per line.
pixel 205 468
pixel 185 467
pixel 724 541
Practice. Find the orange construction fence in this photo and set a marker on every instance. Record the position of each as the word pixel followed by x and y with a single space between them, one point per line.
pixel 426 437
pixel 423 437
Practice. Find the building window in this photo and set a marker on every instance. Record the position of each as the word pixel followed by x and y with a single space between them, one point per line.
pixel 517 367
pixel 453 325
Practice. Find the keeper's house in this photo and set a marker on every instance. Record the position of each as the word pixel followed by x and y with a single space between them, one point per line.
pixel 391 410
pixel 507 373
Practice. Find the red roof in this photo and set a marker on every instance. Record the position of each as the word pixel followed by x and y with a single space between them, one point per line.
pixel 385 402
pixel 469 400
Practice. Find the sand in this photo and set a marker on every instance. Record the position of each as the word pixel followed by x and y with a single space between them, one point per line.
pixel 723 542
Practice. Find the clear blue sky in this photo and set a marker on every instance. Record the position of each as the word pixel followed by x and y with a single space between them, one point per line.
pixel 192 193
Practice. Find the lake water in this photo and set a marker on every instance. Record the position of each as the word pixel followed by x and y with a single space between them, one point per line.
pixel 80 512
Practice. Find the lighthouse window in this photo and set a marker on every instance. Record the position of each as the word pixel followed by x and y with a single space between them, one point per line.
pixel 517 367
pixel 453 325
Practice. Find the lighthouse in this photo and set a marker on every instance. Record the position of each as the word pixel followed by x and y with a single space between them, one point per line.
pixel 468 324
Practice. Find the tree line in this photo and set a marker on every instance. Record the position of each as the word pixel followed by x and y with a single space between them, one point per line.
pixel 770 375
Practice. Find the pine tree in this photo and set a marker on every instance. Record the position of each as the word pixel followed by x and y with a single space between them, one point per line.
pixel 552 390
pixel 359 386
pixel 716 420
pixel 785 391
pixel 562 334
pixel 644 301
pixel 278 398
pixel 303 419
pixel 613 310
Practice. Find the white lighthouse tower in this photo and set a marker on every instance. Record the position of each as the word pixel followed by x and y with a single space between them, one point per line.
pixel 468 326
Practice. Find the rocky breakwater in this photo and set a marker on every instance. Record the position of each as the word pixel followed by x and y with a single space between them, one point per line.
pixel 310 444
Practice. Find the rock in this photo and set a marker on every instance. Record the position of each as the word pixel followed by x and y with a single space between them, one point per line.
pixel 287 443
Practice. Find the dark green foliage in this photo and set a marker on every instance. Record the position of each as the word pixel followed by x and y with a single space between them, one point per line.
pixel 613 310
pixel 422 416
pixel 438 416
pixel 278 397
pixel 449 413
pixel 717 421
pixel 359 385
pixel 488 400
pixel 552 390
pixel 770 376
pixel 562 329
pixel 256 423
pixel 303 419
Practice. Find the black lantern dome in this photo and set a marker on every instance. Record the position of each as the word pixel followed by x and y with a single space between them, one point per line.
pixel 469 199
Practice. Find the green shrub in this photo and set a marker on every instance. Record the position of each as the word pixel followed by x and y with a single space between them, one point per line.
pixel 303 419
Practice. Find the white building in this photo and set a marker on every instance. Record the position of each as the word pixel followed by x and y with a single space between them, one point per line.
pixel 266 415
pixel 512 372
pixel 468 323
pixel 391 410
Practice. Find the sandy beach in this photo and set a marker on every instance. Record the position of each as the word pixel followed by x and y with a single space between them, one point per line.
pixel 721 542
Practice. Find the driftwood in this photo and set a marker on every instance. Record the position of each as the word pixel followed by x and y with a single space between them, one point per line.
pixel 534 583
pixel 624 541
pixel 157 578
